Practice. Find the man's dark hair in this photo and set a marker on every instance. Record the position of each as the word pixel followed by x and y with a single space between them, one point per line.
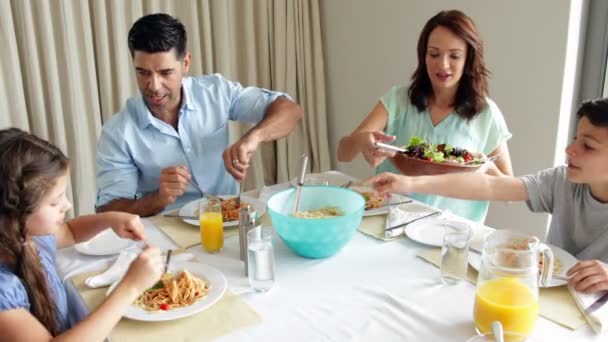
pixel 158 32
pixel 596 111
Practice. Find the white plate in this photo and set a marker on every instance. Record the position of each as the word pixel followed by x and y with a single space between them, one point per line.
pixel 104 243
pixel 566 259
pixel 191 209
pixel 428 231
pixel 217 286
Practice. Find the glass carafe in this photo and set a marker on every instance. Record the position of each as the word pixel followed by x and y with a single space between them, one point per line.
pixel 508 281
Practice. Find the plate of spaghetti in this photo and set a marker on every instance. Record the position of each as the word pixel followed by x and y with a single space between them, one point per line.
pixel 230 211
pixel 187 288
pixel 376 204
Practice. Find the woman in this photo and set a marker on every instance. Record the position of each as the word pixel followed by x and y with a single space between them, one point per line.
pixel 445 103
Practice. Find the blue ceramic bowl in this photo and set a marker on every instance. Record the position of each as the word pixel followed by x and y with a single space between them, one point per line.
pixel 316 238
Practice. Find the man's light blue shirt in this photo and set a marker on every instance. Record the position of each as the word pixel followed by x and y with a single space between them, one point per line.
pixel 135 146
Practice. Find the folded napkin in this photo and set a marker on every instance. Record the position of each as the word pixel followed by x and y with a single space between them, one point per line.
pixel 597 316
pixel 376 225
pixel 115 272
pixel 121 265
pixel 405 213
pixel 555 303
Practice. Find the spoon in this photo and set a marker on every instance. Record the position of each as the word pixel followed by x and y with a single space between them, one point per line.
pixel 497 332
pixel 388 147
pixel 304 162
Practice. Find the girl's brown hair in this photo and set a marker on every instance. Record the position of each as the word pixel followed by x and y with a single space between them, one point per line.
pixel 29 169
pixel 473 85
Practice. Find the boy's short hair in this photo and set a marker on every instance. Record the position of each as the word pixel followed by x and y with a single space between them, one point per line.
pixel 158 32
pixel 596 111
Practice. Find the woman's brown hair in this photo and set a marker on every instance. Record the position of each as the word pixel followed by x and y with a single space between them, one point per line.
pixel 473 85
pixel 29 169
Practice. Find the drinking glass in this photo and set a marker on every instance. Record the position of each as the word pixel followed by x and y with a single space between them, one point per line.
pixel 260 258
pixel 455 251
pixel 211 225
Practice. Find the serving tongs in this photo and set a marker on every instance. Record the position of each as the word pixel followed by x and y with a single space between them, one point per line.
pixel 389 147
pixel 304 162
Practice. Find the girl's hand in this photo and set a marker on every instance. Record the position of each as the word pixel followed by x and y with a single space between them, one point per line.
pixel 389 182
pixel 589 276
pixel 366 141
pixel 145 270
pixel 126 225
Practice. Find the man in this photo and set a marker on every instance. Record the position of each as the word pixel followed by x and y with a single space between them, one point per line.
pixel 173 138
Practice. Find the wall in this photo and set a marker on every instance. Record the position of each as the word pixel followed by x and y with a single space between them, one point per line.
pixel 370 45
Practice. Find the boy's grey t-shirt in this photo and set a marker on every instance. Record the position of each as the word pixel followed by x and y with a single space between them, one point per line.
pixel 579 223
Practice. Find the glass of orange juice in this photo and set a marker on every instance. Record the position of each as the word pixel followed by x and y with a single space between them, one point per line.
pixel 211 225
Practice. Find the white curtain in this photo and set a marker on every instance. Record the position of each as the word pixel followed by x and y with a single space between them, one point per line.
pixel 66 68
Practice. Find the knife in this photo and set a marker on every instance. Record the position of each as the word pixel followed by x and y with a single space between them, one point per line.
pixel 398 230
pixel 185 217
pixel 597 304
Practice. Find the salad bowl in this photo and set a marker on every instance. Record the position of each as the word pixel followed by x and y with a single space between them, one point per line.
pixel 411 166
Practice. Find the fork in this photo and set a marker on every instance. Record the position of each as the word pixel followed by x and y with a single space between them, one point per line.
pixel 238 199
pixel 167 260
pixel 205 194
pixel 487 160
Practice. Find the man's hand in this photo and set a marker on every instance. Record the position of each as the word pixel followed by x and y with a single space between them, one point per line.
pixel 238 155
pixel 589 276
pixel 173 183
pixel 125 225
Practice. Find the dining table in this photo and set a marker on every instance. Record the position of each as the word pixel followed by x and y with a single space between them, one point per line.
pixel 371 290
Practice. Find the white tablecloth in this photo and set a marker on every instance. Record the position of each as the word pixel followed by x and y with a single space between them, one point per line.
pixel 370 291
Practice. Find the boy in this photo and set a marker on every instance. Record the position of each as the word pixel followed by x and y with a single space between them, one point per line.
pixel 575 194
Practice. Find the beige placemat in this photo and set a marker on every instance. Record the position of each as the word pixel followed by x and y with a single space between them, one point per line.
pixel 555 303
pixel 183 234
pixel 374 227
pixel 227 315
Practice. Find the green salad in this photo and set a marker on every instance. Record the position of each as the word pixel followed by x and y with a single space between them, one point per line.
pixel 439 153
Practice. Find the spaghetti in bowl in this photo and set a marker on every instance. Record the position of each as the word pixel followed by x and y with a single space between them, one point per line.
pixel 215 287
pixel 316 237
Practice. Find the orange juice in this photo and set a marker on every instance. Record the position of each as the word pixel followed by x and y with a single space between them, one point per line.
pixel 212 231
pixel 509 301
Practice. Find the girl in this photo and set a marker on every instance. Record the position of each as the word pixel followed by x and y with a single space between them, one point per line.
pixel 446 103
pixel 33 306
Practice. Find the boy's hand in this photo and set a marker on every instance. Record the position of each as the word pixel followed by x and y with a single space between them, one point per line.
pixel 126 225
pixel 389 182
pixel 589 276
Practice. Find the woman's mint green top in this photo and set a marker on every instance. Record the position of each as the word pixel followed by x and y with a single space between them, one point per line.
pixel 484 133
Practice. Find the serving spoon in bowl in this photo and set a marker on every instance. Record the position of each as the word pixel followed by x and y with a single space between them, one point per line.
pixel 300 183
pixel 389 147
